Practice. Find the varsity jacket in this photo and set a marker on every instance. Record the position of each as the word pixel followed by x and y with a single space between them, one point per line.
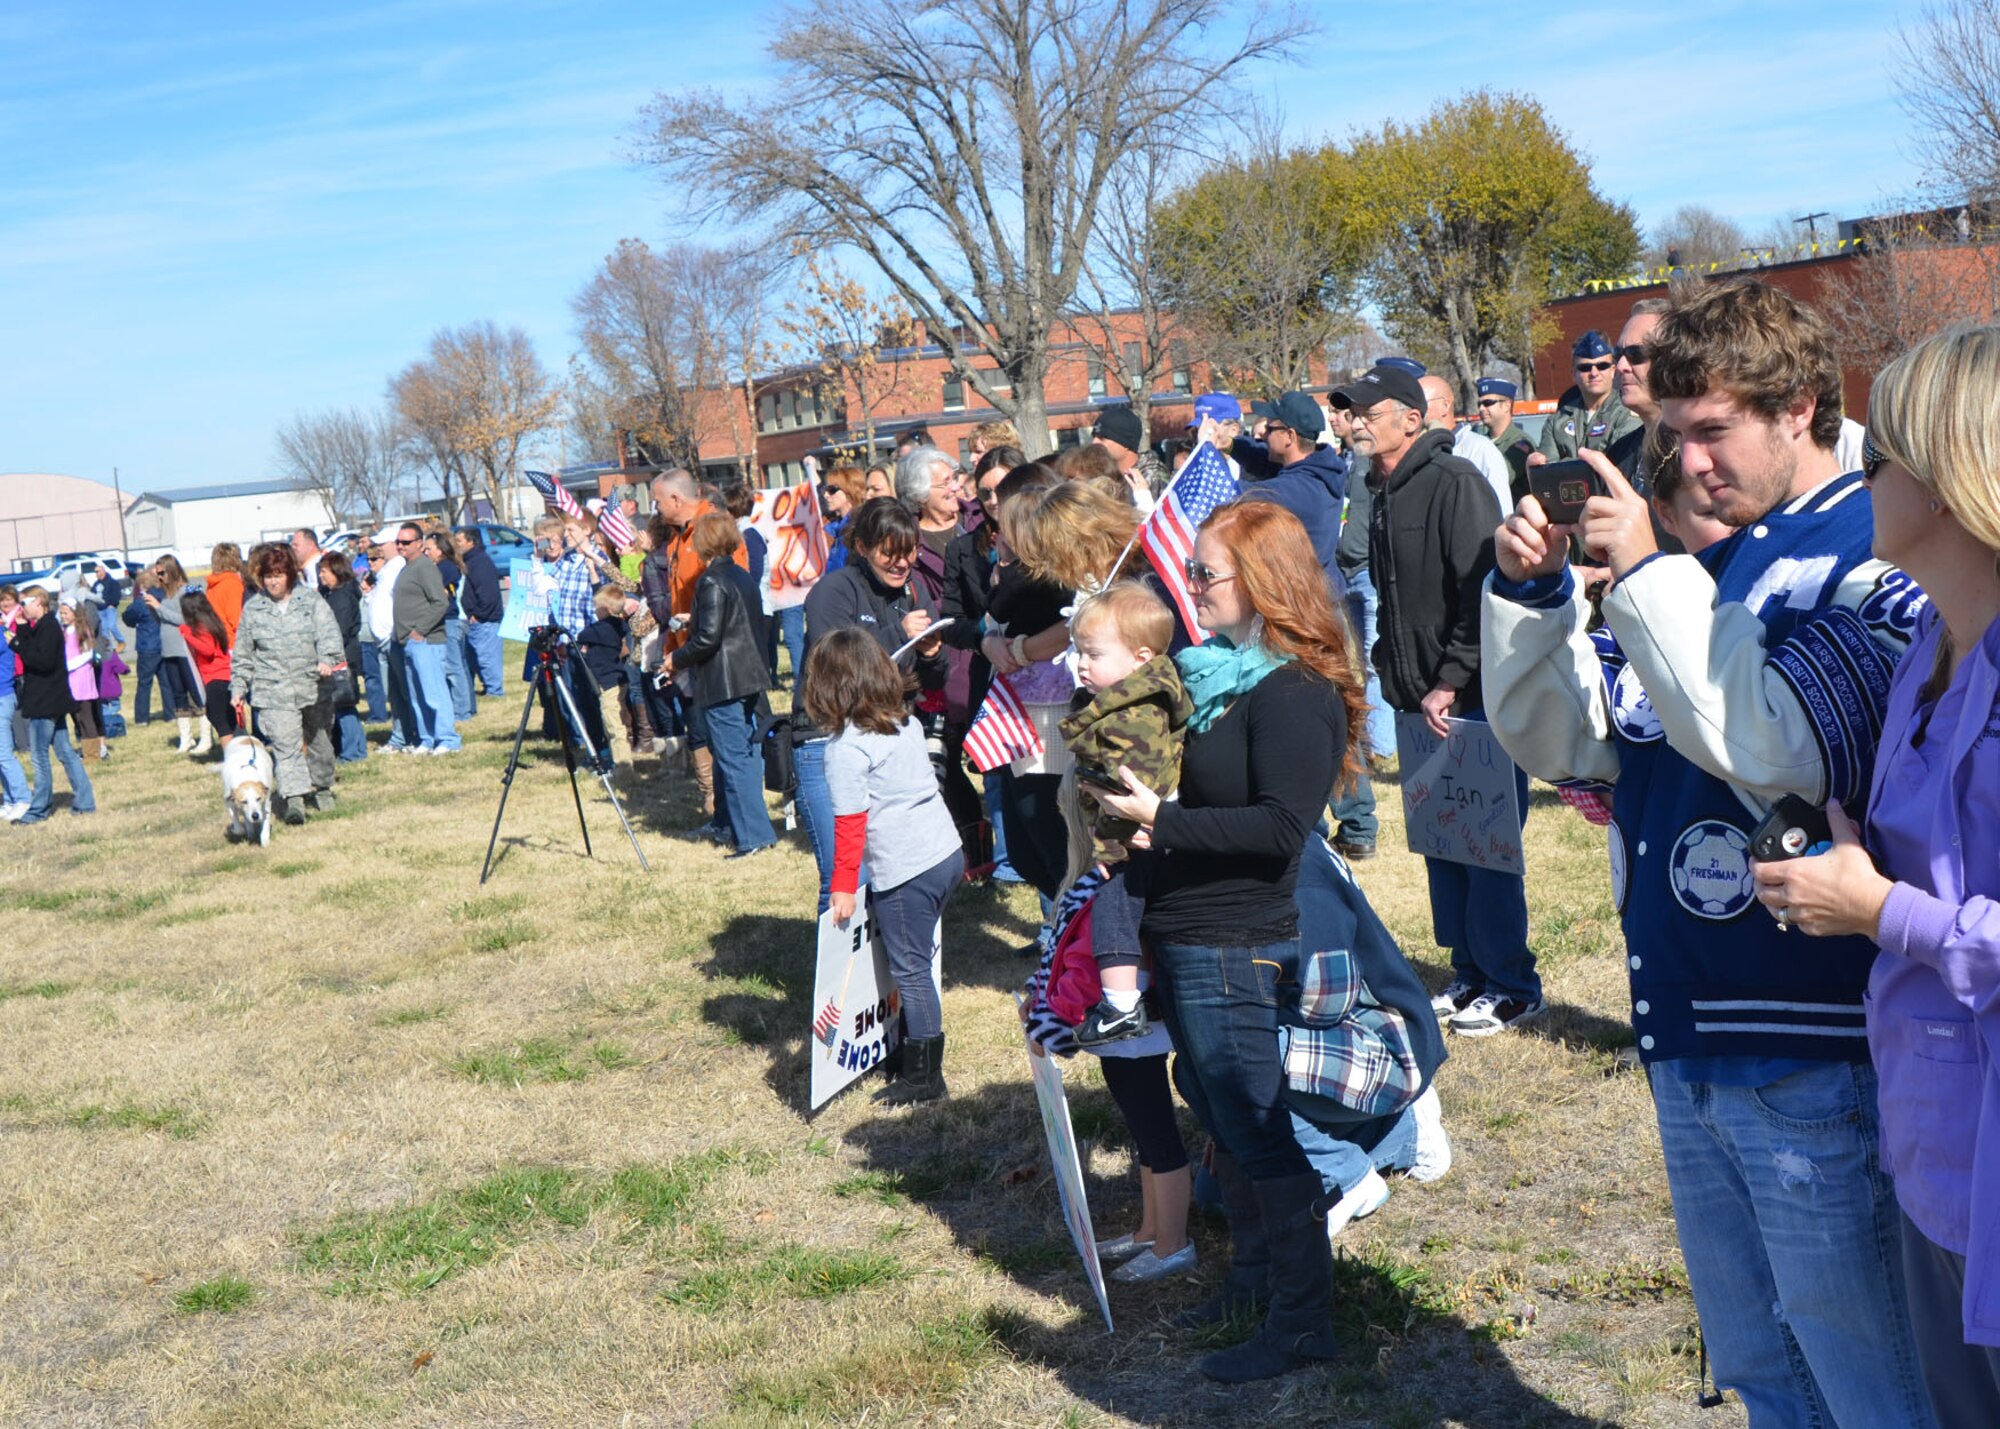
pixel 1697 725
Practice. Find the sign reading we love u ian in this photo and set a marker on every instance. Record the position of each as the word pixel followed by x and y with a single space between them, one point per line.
pixel 1461 796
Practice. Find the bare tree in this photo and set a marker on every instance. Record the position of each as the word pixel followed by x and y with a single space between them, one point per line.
pixel 1949 81
pixel 665 330
pixel 1122 271
pixel 1908 284
pixel 842 331
pixel 467 408
pixel 352 461
pixel 1255 262
pixel 1695 237
pixel 964 149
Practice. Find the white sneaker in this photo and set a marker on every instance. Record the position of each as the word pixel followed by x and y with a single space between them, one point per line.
pixel 1488 1015
pixel 1455 997
pixel 10 812
pixel 1369 1195
pixel 1433 1145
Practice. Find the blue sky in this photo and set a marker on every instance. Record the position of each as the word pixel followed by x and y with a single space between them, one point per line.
pixel 209 225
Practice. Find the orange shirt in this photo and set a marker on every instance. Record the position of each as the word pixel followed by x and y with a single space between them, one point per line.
pixel 685 568
pixel 225 593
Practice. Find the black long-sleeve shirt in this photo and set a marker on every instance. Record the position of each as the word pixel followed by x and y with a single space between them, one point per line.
pixel 1252 787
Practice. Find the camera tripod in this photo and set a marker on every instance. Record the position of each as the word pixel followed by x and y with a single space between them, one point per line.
pixel 549 682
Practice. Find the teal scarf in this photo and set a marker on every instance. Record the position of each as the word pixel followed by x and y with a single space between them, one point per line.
pixel 1216 673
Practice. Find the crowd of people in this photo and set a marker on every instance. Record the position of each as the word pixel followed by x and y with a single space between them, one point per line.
pixel 1760 610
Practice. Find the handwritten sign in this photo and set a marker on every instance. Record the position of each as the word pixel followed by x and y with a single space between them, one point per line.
pixel 528 591
pixel 788 518
pixel 857 1012
pixel 1460 798
pixel 1068 1165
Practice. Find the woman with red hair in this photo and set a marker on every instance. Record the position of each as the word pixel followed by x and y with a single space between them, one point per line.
pixel 1274 700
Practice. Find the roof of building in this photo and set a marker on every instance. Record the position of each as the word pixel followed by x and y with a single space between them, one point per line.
pixel 212 493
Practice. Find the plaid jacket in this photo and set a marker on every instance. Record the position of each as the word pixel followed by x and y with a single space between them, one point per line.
pixel 1347 1046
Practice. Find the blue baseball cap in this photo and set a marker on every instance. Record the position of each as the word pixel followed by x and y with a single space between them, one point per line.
pixel 1403 364
pixel 1217 406
pixel 1295 410
pixel 1497 387
pixel 1591 344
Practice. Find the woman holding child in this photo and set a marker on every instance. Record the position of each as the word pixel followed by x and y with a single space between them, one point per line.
pixel 1274 696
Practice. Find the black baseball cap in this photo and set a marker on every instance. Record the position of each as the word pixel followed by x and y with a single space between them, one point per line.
pixel 1379 382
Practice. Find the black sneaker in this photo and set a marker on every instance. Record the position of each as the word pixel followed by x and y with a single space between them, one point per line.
pixel 1487 1015
pixel 1105 1023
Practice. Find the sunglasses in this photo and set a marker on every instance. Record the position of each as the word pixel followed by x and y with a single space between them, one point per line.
pixel 1873 458
pixel 405 541
pixel 1492 401
pixel 1634 353
pixel 1198 574
pixel 1604 366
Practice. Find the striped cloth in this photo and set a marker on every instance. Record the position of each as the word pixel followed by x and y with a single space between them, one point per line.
pixel 611 521
pixel 1167 537
pixel 554 494
pixel 1001 732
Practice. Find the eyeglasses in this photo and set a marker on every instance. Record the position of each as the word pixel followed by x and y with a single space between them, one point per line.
pixel 405 541
pixel 1634 353
pixel 1604 366
pixel 1270 427
pixel 1380 410
pixel 1873 458
pixel 1200 575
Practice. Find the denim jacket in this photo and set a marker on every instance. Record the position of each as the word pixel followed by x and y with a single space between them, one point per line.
pixel 1934 991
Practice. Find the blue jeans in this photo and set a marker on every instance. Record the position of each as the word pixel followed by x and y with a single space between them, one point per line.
pixel 1353 813
pixel 1322 1126
pixel 148 676
pixel 482 643
pixel 13 783
pixel 1220 1005
pixel 430 693
pixel 1792 1240
pixel 1362 605
pixel 739 772
pixel 372 683
pixel 350 735
pixel 458 670
pixel 1482 916
pixel 42 734
pixel 789 625
pixel 1003 871
pixel 402 710
pixel 907 916
pixel 815 806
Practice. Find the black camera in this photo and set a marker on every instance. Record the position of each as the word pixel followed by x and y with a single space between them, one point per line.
pixel 548 641
pixel 1561 488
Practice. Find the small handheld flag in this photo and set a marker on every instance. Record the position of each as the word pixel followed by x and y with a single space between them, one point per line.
pixel 1001 732
pixel 554 494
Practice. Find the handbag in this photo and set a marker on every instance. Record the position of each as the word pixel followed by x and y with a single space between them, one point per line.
pixel 774 734
pixel 339 687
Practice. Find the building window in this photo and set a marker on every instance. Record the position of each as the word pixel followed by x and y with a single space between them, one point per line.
pixel 1135 368
pixel 767 413
pixel 1183 380
pixel 1096 364
pixel 1069 437
pixel 965 453
pixel 954 392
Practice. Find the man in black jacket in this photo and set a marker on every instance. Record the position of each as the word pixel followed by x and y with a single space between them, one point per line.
pixel 1430 547
pixel 479 601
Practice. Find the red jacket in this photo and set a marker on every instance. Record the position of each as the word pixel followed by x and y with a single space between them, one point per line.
pixel 211 657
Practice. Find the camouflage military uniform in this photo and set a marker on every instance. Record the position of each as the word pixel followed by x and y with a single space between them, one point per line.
pixel 1573 426
pixel 1139 722
pixel 1515 446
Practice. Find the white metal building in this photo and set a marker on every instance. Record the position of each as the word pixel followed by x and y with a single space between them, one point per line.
pixel 196 518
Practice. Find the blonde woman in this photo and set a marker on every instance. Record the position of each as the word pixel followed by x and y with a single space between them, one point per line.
pixel 1920 875
pixel 179 685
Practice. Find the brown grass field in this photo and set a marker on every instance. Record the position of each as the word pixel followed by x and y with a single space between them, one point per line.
pixel 326 1134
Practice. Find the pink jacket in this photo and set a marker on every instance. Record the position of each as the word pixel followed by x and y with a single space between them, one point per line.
pixel 82 674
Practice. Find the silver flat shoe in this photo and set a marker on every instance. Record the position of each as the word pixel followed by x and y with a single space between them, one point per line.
pixel 1148 1266
pixel 1122 1247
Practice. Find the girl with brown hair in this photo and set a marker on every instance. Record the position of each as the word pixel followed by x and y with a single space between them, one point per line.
pixel 886 806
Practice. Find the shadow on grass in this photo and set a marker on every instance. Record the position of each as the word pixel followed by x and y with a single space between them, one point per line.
pixel 766 964
pixel 978 1163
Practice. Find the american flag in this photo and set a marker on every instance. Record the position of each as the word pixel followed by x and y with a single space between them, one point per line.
pixel 1168 534
pixel 826 1026
pixel 611 521
pixel 554 494
pixel 1001 732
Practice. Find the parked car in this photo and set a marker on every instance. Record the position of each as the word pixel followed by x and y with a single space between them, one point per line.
pixel 69 572
pixel 502 543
